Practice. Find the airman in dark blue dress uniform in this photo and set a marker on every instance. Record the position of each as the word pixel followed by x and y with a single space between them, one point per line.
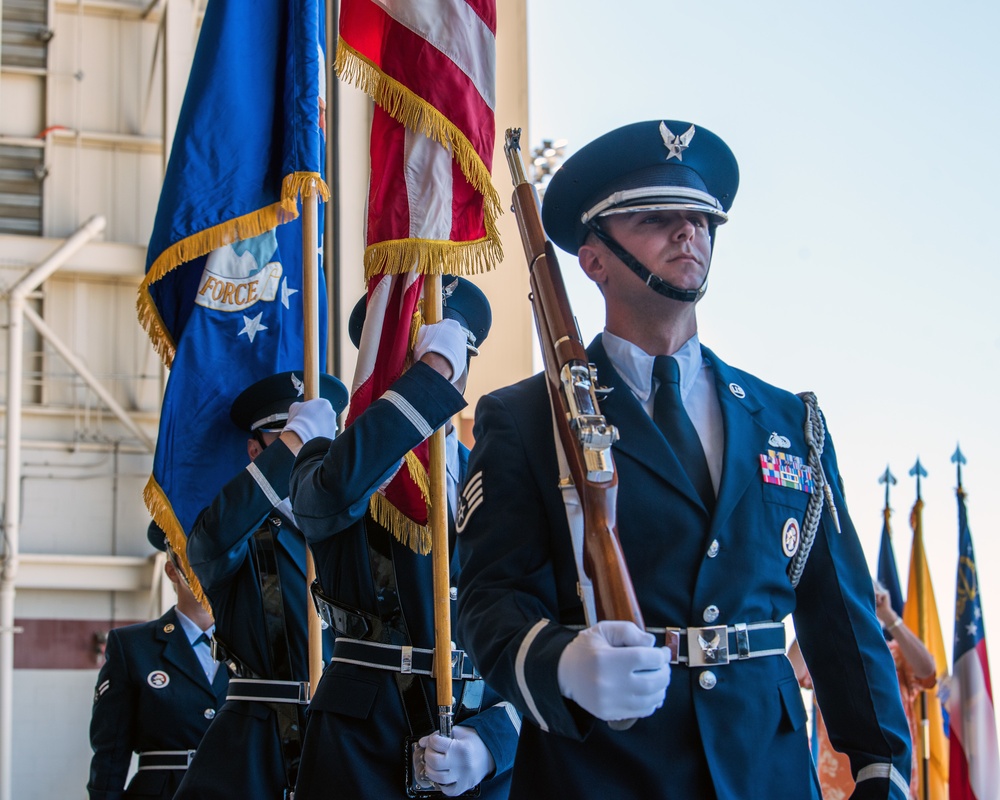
pixel 715 530
pixel 379 598
pixel 250 558
pixel 154 697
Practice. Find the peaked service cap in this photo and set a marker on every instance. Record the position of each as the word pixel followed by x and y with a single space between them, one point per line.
pixel 265 404
pixel 657 164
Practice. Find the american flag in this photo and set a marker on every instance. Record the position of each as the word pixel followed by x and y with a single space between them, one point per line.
pixel 430 66
pixel 974 764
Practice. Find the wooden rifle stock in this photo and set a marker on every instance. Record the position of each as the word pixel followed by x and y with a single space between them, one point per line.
pixel 585 435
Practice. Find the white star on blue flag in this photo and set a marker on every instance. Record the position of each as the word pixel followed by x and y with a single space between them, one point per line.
pixel 252 326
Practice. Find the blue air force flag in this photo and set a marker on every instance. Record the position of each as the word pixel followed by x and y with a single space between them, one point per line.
pixel 222 297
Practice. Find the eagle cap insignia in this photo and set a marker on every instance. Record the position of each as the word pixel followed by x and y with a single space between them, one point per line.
pixel 676 145
pixel 299 386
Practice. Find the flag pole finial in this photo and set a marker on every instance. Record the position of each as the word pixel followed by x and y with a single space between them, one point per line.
pixel 889 480
pixel 919 471
pixel 958 459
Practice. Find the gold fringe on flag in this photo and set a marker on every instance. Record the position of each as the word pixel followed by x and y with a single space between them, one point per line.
pixel 294 185
pixel 416 321
pixel 163 515
pixel 412 534
pixel 418 474
pixel 416 114
pixel 432 257
pixel 407 532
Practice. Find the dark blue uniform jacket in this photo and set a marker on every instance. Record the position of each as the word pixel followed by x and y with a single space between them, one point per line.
pixel 356 727
pixel 241 756
pixel 731 731
pixel 152 694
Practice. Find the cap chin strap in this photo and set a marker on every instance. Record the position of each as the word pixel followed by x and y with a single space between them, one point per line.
pixel 655 283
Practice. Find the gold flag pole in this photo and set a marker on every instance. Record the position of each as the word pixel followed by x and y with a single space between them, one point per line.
pixel 918 555
pixel 437 519
pixel 310 377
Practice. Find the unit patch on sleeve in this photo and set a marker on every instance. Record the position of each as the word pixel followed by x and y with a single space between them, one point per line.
pixel 782 469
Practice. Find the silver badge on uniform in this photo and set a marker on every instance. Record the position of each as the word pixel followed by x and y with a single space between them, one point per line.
pixel 790 537
pixel 471 499
pixel 158 679
pixel 777 440
pixel 737 390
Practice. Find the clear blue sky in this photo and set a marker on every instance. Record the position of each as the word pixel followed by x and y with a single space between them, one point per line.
pixel 859 261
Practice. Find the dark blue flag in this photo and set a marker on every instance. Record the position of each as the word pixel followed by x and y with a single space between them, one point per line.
pixel 887 574
pixel 222 297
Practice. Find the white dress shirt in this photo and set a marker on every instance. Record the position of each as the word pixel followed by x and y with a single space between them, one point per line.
pixel 204 649
pixel 701 400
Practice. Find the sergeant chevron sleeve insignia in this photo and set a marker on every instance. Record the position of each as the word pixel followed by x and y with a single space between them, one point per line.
pixel 471 499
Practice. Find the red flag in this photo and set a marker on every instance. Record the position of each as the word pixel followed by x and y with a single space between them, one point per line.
pixel 430 66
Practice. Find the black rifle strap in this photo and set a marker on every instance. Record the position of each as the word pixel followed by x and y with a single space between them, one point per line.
pixel 276 627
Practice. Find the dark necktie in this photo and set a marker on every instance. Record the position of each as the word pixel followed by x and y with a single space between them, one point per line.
pixel 209 666
pixel 675 424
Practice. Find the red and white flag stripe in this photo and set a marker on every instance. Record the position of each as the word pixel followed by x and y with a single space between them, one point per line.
pixel 974 771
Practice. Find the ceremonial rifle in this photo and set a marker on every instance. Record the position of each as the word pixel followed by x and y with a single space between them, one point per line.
pixel 584 434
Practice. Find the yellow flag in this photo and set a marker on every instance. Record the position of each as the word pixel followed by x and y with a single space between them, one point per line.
pixel 921 616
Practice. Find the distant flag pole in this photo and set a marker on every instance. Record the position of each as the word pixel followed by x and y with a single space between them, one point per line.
pixel 958 459
pixel 887 574
pixel 917 558
pixel 920 615
pixel 974 769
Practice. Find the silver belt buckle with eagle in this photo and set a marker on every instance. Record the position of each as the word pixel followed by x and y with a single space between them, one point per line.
pixel 708 646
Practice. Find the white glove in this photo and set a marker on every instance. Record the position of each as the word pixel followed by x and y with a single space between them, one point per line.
pixel 448 340
pixel 612 670
pixel 454 765
pixel 312 418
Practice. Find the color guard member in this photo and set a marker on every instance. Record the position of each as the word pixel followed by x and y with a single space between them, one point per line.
pixel 157 692
pixel 725 483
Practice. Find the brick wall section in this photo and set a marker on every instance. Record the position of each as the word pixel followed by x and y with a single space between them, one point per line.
pixel 61 643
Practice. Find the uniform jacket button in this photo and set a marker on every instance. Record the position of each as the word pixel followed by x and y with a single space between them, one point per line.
pixel 707 679
pixel 209 713
pixel 713 548
pixel 711 614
